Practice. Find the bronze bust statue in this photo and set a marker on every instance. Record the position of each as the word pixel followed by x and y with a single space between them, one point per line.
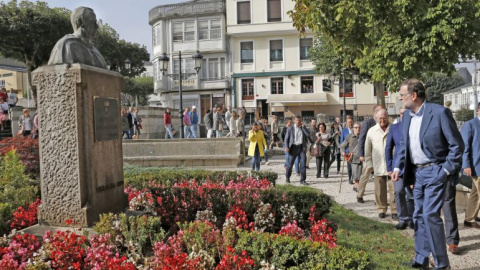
pixel 78 47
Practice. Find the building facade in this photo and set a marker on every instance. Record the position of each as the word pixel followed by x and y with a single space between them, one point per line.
pixel 185 28
pixel 272 72
pixel 463 96
pixel 13 75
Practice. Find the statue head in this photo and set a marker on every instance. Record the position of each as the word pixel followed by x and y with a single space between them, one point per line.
pixel 84 22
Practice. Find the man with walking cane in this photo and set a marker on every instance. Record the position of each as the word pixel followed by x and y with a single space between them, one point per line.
pixel 351 143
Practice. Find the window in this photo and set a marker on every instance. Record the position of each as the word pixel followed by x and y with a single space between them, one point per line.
pixel 277 86
pixel 348 88
pixel 375 91
pixel 456 98
pixel 247 89
pixel 2 83
pixel 243 12
pixel 307 84
pixel 214 69
pixel 157 35
pixel 183 31
pixel 157 73
pixel 276 50
pixel 274 11
pixel 209 29
pixel 326 85
pixel 305 45
pixel 188 66
pixel 246 51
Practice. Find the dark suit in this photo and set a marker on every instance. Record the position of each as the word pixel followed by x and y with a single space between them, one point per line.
pixel 344 135
pixel 471 159
pixel 296 151
pixel 442 144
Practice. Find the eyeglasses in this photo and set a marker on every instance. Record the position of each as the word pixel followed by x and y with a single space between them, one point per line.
pixel 356 127
pixel 402 95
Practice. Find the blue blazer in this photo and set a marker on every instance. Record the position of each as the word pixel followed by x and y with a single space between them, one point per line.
pixel 290 137
pixel 344 134
pixel 440 139
pixel 471 137
pixel 393 141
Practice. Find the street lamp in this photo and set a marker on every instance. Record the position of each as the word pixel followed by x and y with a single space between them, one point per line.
pixel 332 76
pixel 164 59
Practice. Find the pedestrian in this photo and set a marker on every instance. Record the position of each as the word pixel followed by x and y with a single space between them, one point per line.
pixel 313 129
pixel 263 126
pixel 375 143
pixel 403 193
pixel 218 122
pixel 194 117
pixel 275 132
pixel 233 125
pixel 3 94
pixel 296 145
pixel 25 123
pixel 431 149
pixel 125 127
pixel 348 130
pixel 137 124
pixel 335 147
pixel 228 116
pixel 167 123
pixel 187 122
pixel 288 123
pixel 12 98
pixel 3 113
pixel 257 146
pixel 35 126
pixel 323 160
pixel 131 119
pixel 369 123
pixel 240 125
pixel 208 120
pixel 351 156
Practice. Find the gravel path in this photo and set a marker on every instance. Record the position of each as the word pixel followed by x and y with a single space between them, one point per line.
pixel 469 257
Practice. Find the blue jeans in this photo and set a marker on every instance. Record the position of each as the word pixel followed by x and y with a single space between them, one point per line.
pixel 297 151
pixel 403 200
pixel 126 133
pixel 286 161
pixel 256 160
pixel 168 132
pixel 193 130
pixel 265 156
pixel 186 132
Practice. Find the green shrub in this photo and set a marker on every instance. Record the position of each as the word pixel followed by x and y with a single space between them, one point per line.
pixel 285 252
pixel 16 188
pixel 142 231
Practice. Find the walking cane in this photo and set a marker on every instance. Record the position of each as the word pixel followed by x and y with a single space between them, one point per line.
pixel 341 177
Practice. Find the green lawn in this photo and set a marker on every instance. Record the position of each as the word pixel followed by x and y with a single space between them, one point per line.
pixel 386 247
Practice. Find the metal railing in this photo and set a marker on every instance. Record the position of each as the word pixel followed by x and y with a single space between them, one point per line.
pixel 186 9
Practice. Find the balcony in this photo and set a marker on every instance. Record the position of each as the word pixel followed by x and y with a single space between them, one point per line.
pixel 186 9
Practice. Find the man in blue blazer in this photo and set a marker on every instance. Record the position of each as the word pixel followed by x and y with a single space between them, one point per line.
pixel 431 149
pixel 296 141
pixel 347 130
pixel 403 193
pixel 471 167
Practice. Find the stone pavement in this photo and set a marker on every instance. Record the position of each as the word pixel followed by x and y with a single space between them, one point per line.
pixel 469 257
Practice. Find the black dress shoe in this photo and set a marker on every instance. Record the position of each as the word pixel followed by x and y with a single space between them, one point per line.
pixel 471 224
pixel 395 216
pixel 360 200
pixel 414 264
pixel 303 183
pixel 401 225
pixel 318 176
pixel 477 219
pixel 325 176
pixel 288 181
pixel 382 215
pixel 411 225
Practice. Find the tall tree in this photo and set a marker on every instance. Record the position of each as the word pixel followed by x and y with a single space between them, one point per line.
pixel 139 88
pixel 438 83
pixel 392 40
pixel 29 30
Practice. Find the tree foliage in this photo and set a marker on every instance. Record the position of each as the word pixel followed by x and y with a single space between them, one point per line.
pixel 464 114
pixel 29 30
pixel 140 87
pixel 393 40
pixel 438 83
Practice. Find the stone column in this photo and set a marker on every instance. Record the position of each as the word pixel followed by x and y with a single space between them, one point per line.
pixel 81 166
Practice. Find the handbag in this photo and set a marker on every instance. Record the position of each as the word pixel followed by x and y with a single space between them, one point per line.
pixel 316 150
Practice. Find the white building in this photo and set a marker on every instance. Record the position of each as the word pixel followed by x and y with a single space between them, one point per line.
pixel 186 28
pixel 463 96
pixel 272 72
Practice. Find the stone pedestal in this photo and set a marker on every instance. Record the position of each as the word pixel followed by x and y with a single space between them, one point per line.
pixel 81 165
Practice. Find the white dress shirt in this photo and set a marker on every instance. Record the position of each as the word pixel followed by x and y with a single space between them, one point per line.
pixel 298 139
pixel 417 155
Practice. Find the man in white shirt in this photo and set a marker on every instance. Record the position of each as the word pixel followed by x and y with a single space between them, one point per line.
pixel 12 98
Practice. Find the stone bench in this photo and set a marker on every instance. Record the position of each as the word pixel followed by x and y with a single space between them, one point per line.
pixel 221 152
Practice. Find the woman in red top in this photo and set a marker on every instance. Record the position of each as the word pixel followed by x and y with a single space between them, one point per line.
pixel 167 122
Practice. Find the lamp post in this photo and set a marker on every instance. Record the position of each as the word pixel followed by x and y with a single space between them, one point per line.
pixel 164 59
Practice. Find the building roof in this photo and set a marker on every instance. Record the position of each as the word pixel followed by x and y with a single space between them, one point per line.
pixel 465 74
pixel 456 89
pixel 186 9
pixel 12 64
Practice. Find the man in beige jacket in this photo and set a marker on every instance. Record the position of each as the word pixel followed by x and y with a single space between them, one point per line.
pixel 375 161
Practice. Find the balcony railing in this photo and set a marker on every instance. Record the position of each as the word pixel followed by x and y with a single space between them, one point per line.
pixel 186 9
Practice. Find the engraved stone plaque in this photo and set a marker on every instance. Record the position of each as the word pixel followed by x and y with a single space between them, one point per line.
pixel 106 118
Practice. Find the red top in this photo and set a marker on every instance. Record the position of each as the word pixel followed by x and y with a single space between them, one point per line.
pixel 167 119
pixel 4 96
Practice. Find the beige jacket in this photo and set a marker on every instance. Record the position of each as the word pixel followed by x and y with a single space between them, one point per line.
pixel 375 150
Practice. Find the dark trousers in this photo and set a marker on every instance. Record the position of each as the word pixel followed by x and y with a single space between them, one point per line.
pixel 349 168
pixel 429 197
pixel 450 214
pixel 256 160
pixel 294 152
pixel 325 159
pixel 403 200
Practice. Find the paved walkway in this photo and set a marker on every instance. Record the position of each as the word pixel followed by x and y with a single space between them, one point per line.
pixel 469 257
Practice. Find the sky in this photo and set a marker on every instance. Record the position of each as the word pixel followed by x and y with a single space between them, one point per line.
pixel 128 17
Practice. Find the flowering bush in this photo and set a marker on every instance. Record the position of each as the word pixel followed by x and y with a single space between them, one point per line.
pixel 231 260
pixel 323 233
pixel 27 149
pixel 16 250
pixel 240 217
pixel 172 255
pixel 65 249
pixel 141 200
pixel 103 255
pixel 292 230
pixel 264 218
pixel 25 217
pixel 289 214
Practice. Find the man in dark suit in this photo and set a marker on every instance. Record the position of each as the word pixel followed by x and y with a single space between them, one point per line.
pixel 431 149
pixel 296 146
pixel 403 193
pixel 347 130
pixel 361 152
pixel 471 167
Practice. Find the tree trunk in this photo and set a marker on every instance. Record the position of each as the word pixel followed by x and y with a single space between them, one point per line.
pixel 380 89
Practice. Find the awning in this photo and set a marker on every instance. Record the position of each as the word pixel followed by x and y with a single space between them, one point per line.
pixel 297 98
